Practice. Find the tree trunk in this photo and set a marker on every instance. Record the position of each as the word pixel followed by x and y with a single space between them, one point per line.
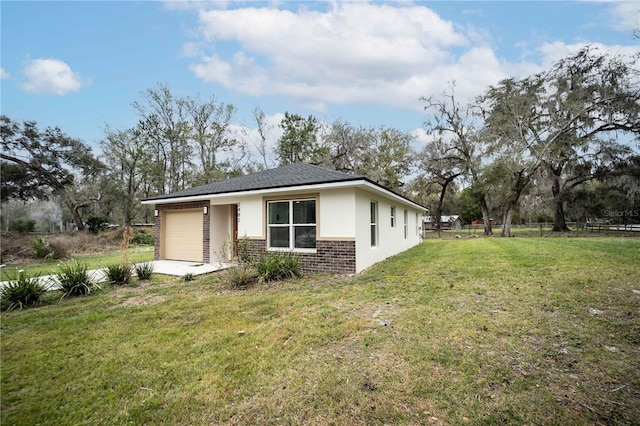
pixel 521 181
pixel 559 224
pixel 440 202
pixel 485 216
pixel 73 209
pixel 506 220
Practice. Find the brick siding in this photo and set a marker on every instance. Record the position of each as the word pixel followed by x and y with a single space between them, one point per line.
pixel 330 256
pixel 206 226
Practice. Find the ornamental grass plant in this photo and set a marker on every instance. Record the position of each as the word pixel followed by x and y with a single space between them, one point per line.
pixel 73 279
pixel 21 291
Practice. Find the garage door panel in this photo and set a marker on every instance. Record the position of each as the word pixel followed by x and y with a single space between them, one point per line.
pixel 183 235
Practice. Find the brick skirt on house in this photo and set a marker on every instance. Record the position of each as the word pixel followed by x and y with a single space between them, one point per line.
pixel 330 256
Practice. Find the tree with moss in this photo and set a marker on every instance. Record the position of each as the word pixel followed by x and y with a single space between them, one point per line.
pixel 47 162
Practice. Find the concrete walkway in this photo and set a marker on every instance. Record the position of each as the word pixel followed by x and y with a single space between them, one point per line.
pixel 173 268
pixel 178 268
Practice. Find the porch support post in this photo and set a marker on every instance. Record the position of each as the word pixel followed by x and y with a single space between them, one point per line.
pixel 206 234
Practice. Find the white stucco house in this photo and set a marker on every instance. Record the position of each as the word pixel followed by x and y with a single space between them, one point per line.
pixel 334 221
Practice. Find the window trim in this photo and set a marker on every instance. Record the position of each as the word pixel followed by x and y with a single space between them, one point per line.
pixel 373 223
pixel 406 223
pixel 291 226
pixel 393 216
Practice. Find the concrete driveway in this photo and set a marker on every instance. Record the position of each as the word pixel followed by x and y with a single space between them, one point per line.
pixel 179 268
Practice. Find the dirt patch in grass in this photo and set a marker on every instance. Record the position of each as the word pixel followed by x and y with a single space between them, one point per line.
pixel 142 293
pixel 141 301
pixel 137 288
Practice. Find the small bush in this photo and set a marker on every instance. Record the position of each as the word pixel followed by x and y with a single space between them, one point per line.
pixel 57 251
pixel 187 277
pixel 241 277
pixel 144 271
pixel 273 266
pixel 118 274
pixel 97 224
pixel 23 226
pixel 42 248
pixel 73 279
pixel 21 291
pixel 544 217
pixel 142 237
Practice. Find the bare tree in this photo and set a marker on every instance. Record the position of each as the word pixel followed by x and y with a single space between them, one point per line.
pixel 128 159
pixel 208 131
pixel 517 153
pixel 261 144
pixel 163 123
pixel 456 151
pixel 383 155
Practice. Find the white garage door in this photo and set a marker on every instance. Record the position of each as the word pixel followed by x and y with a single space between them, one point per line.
pixel 183 235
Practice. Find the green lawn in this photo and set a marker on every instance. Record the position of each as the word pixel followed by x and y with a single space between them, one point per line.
pixel 469 331
pixel 137 254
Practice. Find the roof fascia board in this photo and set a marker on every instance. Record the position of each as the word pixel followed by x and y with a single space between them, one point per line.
pixel 343 184
pixel 390 194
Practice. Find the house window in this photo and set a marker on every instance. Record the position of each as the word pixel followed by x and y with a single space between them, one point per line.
pixel 406 223
pixel 393 216
pixel 374 224
pixel 417 225
pixel 292 224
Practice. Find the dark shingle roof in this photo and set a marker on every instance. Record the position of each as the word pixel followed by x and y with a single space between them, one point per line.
pixel 284 176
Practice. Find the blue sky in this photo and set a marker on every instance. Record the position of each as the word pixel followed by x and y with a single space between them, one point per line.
pixel 80 65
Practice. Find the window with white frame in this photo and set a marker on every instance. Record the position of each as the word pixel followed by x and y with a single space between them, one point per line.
pixel 374 224
pixel 291 224
pixel 393 216
pixel 406 223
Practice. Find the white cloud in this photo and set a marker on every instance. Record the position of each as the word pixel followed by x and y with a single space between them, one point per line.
pixel 191 49
pixel 552 52
pixel 4 74
pixel 51 76
pixel 351 53
pixel 626 15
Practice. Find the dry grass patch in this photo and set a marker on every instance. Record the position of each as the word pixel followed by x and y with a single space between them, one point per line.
pixel 18 248
pixel 141 301
pixel 97 251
